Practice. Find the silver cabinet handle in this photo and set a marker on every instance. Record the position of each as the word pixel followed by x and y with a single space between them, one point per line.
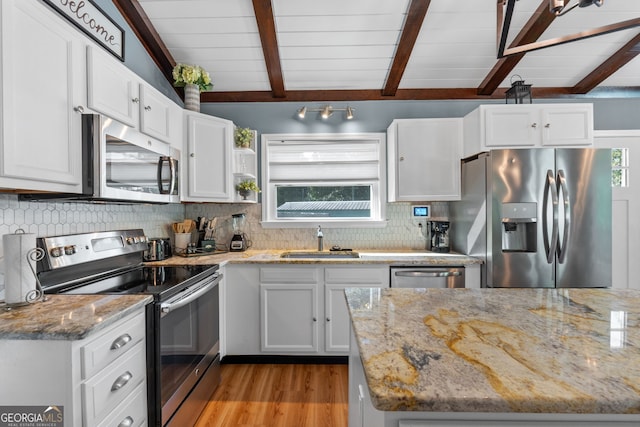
pixel 135 100
pixel 121 341
pixel 401 158
pixel 548 125
pixel 328 319
pixel 121 381
pixel 535 125
pixel 192 155
pixel 79 109
pixel 422 273
pixel 147 107
pixel 315 320
pixel 127 422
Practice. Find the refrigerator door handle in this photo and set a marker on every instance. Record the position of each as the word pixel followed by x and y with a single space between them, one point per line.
pixel 550 188
pixel 563 245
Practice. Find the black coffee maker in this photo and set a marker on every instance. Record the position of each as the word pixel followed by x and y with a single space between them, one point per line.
pixel 438 236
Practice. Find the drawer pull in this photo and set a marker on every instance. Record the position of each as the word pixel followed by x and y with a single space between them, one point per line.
pixel 121 341
pixel 121 381
pixel 127 422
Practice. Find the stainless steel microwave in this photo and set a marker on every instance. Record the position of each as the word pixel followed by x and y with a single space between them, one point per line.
pixel 121 164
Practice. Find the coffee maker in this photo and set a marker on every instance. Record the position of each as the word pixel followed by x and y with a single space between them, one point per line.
pixel 239 240
pixel 438 239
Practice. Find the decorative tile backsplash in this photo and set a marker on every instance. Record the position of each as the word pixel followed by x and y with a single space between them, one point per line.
pixel 56 218
pixel 401 231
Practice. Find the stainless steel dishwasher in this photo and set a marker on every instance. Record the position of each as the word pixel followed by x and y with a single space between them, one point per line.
pixel 427 277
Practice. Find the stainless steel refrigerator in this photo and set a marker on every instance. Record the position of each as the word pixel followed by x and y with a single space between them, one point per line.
pixel 538 217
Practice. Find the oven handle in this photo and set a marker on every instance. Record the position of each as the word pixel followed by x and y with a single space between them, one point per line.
pixel 189 295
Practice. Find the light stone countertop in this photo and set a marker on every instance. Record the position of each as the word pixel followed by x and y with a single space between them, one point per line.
pixel 500 350
pixel 272 256
pixel 67 317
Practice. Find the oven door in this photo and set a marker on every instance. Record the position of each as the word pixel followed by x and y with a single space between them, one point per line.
pixel 134 166
pixel 188 345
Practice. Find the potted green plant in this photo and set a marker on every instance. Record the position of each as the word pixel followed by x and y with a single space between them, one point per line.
pixel 245 187
pixel 243 137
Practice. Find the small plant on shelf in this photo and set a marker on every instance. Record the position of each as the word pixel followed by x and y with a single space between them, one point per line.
pixel 246 186
pixel 243 137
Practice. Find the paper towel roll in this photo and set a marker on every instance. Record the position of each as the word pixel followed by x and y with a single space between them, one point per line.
pixel 19 280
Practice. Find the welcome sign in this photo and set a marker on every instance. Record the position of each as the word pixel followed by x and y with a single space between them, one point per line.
pixel 87 16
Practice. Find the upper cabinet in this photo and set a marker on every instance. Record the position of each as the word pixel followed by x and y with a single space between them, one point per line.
pixel 43 93
pixel 527 125
pixel 114 90
pixel 208 159
pixel 423 158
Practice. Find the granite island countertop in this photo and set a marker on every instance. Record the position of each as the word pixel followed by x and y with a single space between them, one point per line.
pixel 565 351
pixel 67 317
pixel 273 256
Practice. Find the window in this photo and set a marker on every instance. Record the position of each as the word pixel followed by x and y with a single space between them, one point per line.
pixel 319 179
pixel 620 167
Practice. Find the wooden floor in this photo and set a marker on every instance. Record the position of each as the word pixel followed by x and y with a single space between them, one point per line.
pixel 275 395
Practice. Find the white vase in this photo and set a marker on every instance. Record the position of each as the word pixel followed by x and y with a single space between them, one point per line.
pixel 192 97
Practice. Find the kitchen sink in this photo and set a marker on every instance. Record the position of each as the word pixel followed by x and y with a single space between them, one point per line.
pixel 317 254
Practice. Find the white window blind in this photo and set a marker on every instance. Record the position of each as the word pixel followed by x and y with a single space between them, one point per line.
pixel 297 168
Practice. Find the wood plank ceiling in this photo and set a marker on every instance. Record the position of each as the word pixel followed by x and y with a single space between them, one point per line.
pixel 292 50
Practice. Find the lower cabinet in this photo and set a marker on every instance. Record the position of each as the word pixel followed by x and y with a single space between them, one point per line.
pixel 292 309
pixel 98 381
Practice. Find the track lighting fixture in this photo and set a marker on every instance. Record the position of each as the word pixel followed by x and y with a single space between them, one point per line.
pixel 326 111
pixel 558 8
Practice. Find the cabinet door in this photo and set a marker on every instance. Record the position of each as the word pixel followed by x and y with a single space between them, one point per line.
pixel 336 312
pixel 42 87
pixel 289 317
pixel 511 126
pixel 567 125
pixel 112 89
pixel 428 153
pixel 209 145
pixel 155 113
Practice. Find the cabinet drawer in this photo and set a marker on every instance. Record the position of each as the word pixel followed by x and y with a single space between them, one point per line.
pixel 288 275
pixel 375 276
pixel 132 412
pixel 109 387
pixel 110 344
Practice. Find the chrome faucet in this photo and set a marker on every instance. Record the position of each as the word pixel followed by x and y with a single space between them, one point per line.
pixel 320 236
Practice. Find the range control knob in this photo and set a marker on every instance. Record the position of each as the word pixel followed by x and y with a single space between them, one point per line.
pixel 57 251
pixel 130 241
pixel 70 249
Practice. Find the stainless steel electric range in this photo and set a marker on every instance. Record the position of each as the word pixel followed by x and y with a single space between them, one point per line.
pixel 183 346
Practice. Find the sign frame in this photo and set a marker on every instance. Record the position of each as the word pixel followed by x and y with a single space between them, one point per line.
pixel 94 22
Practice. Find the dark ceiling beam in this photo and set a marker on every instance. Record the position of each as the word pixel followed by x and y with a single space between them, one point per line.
pixel 412 24
pixel 267 29
pixel 609 66
pixel 531 31
pixel 147 34
pixel 405 95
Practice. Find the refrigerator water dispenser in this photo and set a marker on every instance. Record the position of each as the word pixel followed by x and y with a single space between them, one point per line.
pixel 519 227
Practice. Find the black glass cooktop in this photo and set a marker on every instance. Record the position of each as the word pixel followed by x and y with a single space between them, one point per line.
pixel 158 281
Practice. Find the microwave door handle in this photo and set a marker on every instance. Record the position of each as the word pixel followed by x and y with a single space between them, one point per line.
pixel 172 175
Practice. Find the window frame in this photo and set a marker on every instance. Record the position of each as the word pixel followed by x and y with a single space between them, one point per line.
pixel 378 188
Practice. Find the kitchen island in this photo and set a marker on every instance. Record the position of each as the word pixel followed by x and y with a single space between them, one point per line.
pixel 454 357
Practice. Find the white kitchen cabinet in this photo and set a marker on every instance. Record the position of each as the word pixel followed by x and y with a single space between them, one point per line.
pixel 116 91
pixel 271 309
pixel 336 313
pixel 423 157
pixel 527 125
pixel 99 380
pixel 43 93
pixel 208 158
pixel 289 308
